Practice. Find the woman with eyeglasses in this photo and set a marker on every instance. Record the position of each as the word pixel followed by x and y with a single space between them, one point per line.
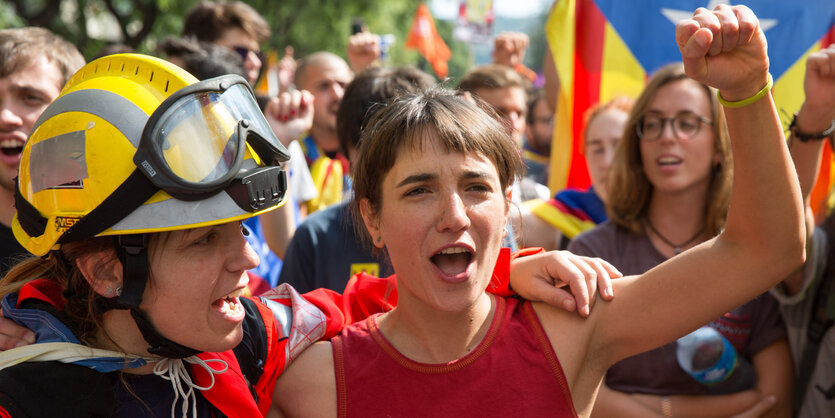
pixel 669 189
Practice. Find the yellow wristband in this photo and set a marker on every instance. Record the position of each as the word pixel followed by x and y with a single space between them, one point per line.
pixel 745 102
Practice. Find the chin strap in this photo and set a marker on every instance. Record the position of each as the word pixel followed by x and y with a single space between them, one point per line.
pixel 160 345
pixel 133 252
pixel 175 371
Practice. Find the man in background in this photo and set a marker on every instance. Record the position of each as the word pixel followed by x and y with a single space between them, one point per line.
pixel 325 75
pixel 34 66
pixel 539 128
pixel 234 25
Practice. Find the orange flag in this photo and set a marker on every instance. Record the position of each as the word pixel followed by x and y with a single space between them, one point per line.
pixel 424 37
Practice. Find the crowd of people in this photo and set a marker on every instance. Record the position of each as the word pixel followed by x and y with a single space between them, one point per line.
pixel 367 241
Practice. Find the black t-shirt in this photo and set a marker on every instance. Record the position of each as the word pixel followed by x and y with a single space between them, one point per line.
pixel 325 252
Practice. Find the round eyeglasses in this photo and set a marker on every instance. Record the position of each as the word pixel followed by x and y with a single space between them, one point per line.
pixel 685 125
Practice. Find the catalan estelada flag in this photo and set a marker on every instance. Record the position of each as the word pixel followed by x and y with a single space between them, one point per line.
pixel 571 211
pixel 607 48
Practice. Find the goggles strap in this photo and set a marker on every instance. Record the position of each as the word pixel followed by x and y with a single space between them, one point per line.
pixel 131 194
pixel 27 215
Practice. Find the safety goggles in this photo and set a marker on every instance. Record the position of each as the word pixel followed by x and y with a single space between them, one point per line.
pixel 209 137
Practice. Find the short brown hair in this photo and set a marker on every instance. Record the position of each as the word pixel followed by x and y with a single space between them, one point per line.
pixel 207 21
pixel 629 189
pixel 18 47
pixel 534 97
pixel 457 124
pixel 492 76
pixel 373 87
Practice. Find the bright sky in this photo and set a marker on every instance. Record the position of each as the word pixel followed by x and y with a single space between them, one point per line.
pixel 448 9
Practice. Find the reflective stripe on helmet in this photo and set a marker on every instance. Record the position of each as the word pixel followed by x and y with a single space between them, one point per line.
pixel 120 112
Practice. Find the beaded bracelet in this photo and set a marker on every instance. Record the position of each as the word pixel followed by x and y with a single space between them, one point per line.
pixel 745 102
pixel 666 406
pixel 805 136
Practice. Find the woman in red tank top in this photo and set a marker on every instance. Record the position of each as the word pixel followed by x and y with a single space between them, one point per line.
pixel 431 185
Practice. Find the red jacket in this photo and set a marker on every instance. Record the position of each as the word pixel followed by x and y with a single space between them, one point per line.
pixel 320 314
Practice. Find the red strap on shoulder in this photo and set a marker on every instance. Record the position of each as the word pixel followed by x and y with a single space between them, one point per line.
pixel 276 359
pixel 367 295
pixel 330 303
pixel 500 282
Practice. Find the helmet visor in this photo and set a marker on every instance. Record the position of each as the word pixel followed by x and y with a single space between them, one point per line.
pixel 199 135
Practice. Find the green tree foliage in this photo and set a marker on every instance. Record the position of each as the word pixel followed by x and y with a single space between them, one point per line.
pixel 315 25
pixel 307 25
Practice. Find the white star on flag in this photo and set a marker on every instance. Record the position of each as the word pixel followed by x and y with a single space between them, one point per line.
pixel 675 15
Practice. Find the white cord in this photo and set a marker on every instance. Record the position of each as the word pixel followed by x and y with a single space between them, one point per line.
pixel 175 371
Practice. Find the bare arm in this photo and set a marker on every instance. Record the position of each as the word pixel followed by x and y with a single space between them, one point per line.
pixel 815 115
pixel 702 406
pixel 611 403
pixel 13 335
pixel 307 387
pixel 552 80
pixel 363 51
pixel 774 377
pixel 764 234
pixel 290 115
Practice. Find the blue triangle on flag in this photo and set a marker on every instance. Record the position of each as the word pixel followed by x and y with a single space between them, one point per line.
pixel 647 27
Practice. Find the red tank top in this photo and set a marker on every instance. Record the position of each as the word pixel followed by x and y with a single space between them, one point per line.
pixel 512 372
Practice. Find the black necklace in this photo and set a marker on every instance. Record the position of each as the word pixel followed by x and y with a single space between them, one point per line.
pixel 677 248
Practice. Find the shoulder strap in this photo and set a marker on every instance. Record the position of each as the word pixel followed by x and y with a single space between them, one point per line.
pixel 252 351
pixel 823 316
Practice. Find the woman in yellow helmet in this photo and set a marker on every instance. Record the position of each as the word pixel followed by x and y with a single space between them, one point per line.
pixel 132 187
